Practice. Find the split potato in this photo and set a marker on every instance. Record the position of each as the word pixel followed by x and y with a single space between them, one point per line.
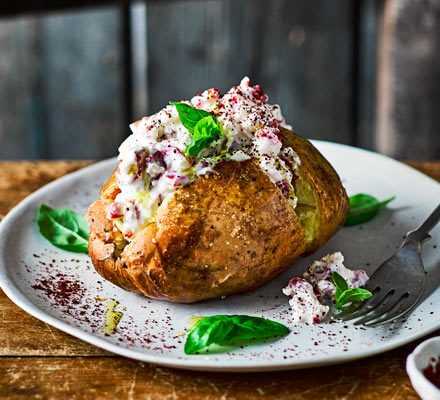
pixel 228 232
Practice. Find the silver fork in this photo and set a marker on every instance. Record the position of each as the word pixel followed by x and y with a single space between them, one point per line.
pixel 398 284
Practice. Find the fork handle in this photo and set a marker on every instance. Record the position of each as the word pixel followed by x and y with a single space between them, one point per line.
pixel 422 232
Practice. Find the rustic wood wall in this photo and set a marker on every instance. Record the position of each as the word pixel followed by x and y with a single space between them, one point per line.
pixel 71 80
pixel 60 85
pixel 409 79
pixel 299 51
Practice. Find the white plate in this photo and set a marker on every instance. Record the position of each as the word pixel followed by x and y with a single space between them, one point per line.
pixel 33 274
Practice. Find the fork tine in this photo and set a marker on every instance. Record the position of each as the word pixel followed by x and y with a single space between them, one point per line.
pixel 348 310
pixel 381 311
pixel 368 306
pixel 403 308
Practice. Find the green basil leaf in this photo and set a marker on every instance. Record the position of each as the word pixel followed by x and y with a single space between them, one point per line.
pixel 351 295
pixel 189 116
pixel 230 330
pixel 63 228
pixel 339 282
pixel 207 331
pixel 205 132
pixel 344 294
pixel 247 327
pixel 358 294
pixel 364 207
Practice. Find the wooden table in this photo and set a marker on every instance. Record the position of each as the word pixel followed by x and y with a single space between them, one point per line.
pixel 38 361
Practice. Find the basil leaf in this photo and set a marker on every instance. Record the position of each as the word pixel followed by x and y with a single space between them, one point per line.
pixel 231 330
pixel 201 124
pixel 364 207
pixel 247 327
pixel 344 294
pixel 189 116
pixel 206 332
pixel 339 282
pixel 358 294
pixel 351 295
pixel 63 228
pixel 205 132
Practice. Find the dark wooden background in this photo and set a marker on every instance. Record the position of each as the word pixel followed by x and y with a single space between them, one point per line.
pixel 73 74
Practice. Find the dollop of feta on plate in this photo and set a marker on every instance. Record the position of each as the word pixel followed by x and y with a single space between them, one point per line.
pixel 304 303
pixel 317 286
pixel 319 274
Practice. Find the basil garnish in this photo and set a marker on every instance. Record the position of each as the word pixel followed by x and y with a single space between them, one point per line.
pixel 231 330
pixel 189 116
pixel 63 228
pixel 205 132
pixel 363 208
pixel 203 126
pixel 345 294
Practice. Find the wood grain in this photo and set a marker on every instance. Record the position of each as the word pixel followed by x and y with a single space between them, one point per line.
pixel 20 118
pixel 430 168
pixel 32 6
pixel 409 76
pixel 65 75
pixel 39 361
pixel 290 47
pixel 117 378
pixel 61 86
pixel 36 338
pixel 17 180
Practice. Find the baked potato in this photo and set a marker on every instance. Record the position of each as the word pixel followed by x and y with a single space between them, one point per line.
pixel 226 232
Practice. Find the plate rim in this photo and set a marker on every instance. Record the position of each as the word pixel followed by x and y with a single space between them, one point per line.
pixel 22 301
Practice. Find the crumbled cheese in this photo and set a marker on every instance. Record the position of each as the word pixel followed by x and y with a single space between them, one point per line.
pixel 319 274
pixel 317 286
pixel 304 303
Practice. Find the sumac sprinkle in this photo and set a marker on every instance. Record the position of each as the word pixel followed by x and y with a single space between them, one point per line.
pixel 62 290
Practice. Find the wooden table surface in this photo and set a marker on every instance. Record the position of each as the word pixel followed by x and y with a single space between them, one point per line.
pixel 38 361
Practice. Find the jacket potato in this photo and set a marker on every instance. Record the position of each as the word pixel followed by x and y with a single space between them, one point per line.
pixel 226 232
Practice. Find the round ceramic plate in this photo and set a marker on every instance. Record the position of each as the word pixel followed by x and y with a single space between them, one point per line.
pixel 63 290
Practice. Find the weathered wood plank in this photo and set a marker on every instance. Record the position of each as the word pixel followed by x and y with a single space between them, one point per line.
pixel 32 6
pixel 187 49
pixel 61 86
pixel 409 76
pixel 82 60
pixel 19 179
pixel 306 60
pixel 301 52
pixel 369 14
pixel 430 168
pixel 20 114
pixel 117 378
pixel 23 335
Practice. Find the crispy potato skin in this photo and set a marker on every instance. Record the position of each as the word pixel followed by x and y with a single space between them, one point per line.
pixel 229 232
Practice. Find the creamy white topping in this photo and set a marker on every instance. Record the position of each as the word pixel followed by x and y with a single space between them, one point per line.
pixel 317 286
pixel 319 274
pixel 304 303
pixel 153 164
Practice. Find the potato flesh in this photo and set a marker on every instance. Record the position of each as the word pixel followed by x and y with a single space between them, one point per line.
pixel 306 209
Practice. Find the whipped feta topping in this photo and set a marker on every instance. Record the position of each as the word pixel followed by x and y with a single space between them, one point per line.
pixel 317 286
pixel 304 303
pixel 319 274
pixel 153 164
